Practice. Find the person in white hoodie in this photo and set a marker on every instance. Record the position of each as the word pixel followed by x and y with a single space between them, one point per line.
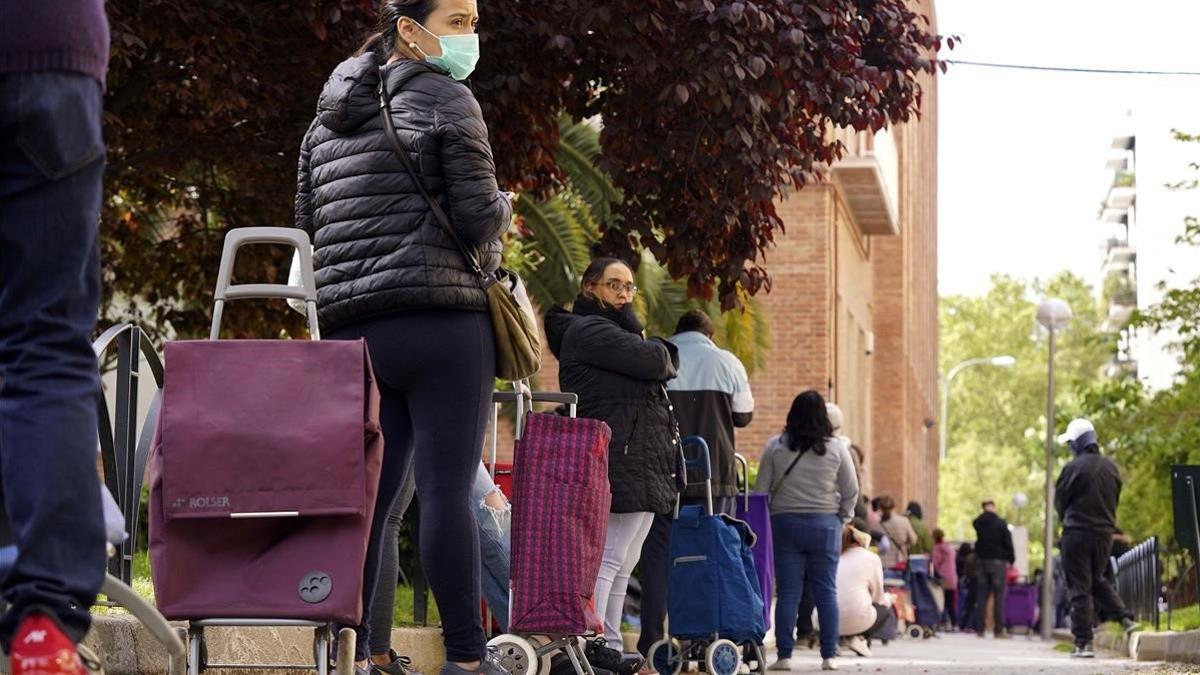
pixel 809 476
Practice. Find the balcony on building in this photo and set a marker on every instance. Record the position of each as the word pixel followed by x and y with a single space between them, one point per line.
pixel 1120 197
pixel 1109 214
pixel 1119 253
pixel 868 176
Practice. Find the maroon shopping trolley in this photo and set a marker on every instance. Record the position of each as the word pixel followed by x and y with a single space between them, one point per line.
pixel 561 500
pixel 264 472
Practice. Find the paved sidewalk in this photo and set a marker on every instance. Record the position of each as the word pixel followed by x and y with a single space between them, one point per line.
pixel 965 653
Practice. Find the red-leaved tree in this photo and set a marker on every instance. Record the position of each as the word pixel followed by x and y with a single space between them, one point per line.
pixel 711 109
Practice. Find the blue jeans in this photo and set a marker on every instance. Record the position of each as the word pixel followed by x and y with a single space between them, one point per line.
pixel 807 546
pixel 51 164
pixel 495 541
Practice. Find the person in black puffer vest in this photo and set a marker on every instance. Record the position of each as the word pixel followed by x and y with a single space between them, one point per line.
pixel 386 271
pixel 619 377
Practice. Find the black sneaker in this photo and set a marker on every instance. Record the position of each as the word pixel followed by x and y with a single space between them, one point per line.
pixel 600 655
pixel 399 665
pixel 1083 651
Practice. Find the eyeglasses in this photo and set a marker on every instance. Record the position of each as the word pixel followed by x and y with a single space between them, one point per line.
pixel 617 287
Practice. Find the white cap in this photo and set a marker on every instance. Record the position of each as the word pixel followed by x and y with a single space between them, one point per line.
pixel 835 415
pixel 1075 429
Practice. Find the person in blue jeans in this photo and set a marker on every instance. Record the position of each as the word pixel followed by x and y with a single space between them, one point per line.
pixel 809 475
pixel 53 58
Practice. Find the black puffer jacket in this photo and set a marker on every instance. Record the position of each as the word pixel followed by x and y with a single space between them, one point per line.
pixel 379 249
pixel 619 378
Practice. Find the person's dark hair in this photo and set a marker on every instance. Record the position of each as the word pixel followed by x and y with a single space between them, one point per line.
pixel 697 321
pixel 986 504
pixel 875 502
pixel 594 273
pixel 914 509
pixel 886 506
pixel 383 40
pixel 966 548
pixel 808 425
pixel 938 536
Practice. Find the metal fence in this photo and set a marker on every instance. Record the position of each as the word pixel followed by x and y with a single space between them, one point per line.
pixel 1139 580
pixel 123 450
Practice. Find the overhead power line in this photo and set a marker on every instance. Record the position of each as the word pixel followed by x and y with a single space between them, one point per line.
pixel 1064 69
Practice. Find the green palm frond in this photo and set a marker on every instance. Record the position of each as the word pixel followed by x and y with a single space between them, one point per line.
pixel 578 149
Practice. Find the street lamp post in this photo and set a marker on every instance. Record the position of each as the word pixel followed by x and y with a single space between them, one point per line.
pixel 1000 361
pixel 1054 315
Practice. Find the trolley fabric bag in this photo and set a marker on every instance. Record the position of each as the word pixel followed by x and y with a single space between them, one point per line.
pixel 264 472
pixel 560 514
pixel 755 511
pixel 712 586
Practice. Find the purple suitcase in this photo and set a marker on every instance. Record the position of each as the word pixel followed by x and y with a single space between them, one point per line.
pixel 1021 606
pixel 755 509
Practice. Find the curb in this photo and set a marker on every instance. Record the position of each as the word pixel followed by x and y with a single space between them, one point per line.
pixel 1173 647
pixel 127 648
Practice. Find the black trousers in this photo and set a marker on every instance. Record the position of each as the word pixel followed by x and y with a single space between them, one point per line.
pixel 435 370
pixel 1085 557
pixel 990 579
pixel 655 563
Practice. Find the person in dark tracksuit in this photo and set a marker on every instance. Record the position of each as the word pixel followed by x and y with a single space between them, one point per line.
pixel 994 553
pixel 711 396
pixel 1086 497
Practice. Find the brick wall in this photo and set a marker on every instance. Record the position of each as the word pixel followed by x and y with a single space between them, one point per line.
pixel 800 308
pixel 906 319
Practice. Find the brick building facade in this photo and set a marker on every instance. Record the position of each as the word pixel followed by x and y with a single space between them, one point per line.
pixel 853 305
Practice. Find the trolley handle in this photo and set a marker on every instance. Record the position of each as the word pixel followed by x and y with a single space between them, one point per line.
pixel 743 478
pixel 244 236
pixel 702 462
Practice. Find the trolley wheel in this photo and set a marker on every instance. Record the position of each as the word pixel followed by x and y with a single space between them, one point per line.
pixel 344 665
pixel 915 631
pixel 722 658
pixel 517 654
pixel 667 657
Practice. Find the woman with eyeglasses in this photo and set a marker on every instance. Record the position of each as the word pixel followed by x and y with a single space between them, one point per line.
pixel 619 377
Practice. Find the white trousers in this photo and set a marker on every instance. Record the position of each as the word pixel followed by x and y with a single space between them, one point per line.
pixel 622 550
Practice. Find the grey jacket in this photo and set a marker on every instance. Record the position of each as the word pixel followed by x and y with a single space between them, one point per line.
pixel 378 248
pixel 818 483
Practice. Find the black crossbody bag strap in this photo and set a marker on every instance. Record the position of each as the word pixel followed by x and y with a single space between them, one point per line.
pixel 389 130
pixel 779 482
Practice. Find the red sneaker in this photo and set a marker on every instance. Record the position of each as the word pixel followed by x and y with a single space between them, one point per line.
pixel 41 648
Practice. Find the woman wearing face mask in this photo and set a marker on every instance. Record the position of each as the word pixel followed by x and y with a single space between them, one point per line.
pixel 388 272
pixel 619 377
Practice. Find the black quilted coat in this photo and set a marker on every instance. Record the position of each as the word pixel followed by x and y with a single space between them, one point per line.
pixel 379 249
pixel 619 378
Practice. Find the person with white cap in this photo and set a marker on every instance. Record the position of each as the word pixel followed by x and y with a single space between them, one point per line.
pixel 1086 498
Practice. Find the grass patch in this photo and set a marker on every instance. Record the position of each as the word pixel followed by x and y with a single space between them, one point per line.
pixel 1064 647
pixel 402 611
pixel 1184 618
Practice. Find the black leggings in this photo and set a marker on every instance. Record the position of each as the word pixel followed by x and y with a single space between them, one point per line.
pixel 435 370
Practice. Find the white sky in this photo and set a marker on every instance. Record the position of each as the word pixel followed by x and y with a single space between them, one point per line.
pixel 1021 153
